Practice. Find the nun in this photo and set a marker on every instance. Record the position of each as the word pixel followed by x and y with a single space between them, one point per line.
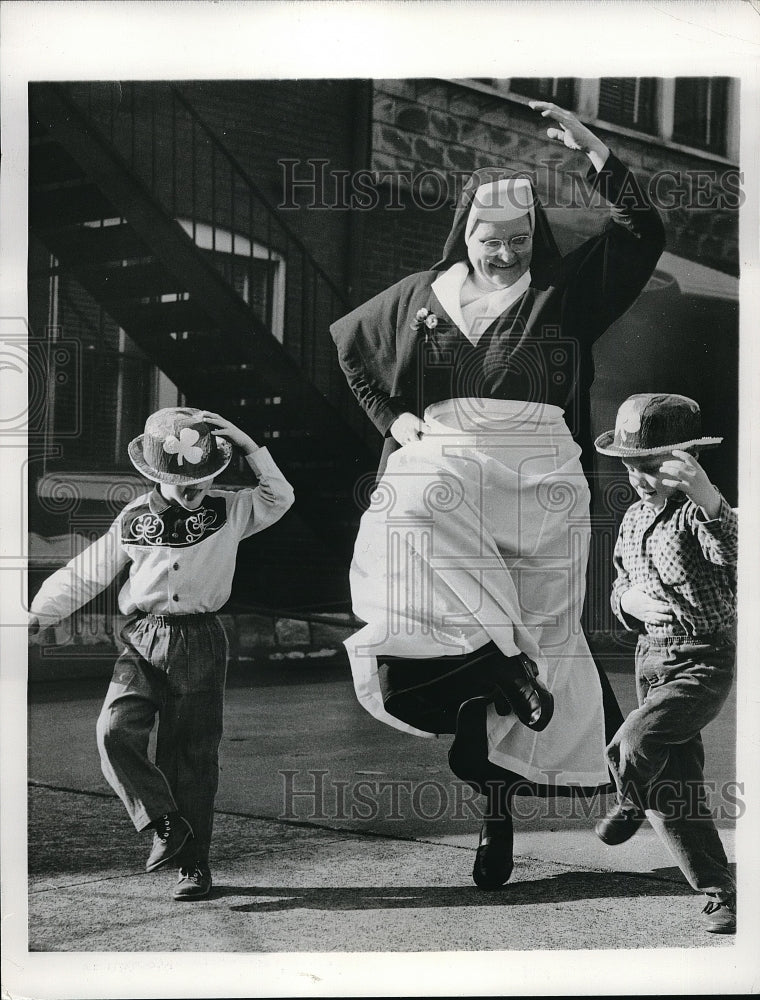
pixel 469 567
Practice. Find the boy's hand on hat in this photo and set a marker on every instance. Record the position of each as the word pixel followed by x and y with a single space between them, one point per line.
pixel 638 604
pixel 222 427
pixel 685 473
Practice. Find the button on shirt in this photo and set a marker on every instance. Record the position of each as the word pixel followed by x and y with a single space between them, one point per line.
pixel 180 561
pixel 677 555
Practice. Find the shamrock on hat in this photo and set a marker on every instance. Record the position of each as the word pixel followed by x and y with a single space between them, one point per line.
pixel 179 448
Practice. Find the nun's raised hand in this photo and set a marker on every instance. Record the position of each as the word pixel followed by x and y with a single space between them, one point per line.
pixel 570 131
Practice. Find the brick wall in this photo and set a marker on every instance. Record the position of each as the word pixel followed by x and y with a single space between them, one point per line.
pixel 265 121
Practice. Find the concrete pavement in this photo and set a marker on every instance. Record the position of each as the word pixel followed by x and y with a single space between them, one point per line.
pixel 314 873
pixel 282 887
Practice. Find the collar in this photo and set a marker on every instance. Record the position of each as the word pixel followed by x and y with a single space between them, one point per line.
pixel 448 291
pixel 677 499
pixel 158 502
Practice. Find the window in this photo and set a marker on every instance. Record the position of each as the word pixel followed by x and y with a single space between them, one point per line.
pixel 129 386
pixel 112 392
pixel 699 112
pixel 561 90
pixel 256 273
pixel 629 101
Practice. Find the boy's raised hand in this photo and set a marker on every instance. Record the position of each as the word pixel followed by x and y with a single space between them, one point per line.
pixel 685 473
pixel 225 428
pixel 638 604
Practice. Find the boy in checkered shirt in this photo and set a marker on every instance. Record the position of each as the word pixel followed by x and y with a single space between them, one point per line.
pixel 676 582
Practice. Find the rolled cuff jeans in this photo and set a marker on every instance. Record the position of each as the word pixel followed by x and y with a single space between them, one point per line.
pixel 657 757
pixel 172 667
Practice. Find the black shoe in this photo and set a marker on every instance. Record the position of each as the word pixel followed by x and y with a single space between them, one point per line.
pixel 194 882
pixel 470 742
pixel 172 832
pixel 493 859
pixel 719 916
pixel 516 678
pixel 619 824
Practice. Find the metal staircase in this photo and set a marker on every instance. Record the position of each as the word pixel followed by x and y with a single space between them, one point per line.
pixel 110 176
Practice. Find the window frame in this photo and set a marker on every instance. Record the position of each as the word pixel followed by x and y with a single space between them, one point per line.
pixel 711 117
pixel 656 126
pixel 162 391
pixel 218 240
pixel 587 108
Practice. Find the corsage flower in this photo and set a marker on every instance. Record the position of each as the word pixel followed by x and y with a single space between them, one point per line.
pixel 427 319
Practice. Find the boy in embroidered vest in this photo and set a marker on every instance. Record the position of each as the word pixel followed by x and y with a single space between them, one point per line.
pixel 180 542
pixel 676 582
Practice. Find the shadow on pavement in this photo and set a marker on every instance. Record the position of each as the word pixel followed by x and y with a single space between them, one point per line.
pixel 563 888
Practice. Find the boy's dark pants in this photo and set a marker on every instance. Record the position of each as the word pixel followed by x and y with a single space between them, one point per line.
pixel 657 757
pixel 172 666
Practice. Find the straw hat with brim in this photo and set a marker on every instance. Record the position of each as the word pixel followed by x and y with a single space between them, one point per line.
pixel 651 423
pixel 178 448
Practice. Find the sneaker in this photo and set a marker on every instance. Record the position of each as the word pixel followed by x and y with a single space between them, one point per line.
pixel 194 882
pixel 719 916
pixel 619 824
pixel 171 833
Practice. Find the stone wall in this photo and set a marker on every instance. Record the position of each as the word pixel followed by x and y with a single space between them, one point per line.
pixel 437 125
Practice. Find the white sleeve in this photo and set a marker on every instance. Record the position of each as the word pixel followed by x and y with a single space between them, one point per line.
pixel 84 576
pixel 272 497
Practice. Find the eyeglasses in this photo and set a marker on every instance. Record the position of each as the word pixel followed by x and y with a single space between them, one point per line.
pixel 515 244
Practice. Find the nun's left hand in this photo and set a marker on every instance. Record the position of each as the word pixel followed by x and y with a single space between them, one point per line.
pixel 572 132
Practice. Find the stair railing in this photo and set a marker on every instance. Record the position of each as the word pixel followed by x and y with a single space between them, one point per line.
pixel 200 183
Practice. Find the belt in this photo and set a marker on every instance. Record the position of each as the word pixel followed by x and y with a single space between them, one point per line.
pixel 714 639
pixel 163 621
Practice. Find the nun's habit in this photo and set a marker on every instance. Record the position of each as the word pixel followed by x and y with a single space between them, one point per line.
pixel 478 533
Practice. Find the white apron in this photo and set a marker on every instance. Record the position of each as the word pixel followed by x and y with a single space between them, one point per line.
pixel 479 532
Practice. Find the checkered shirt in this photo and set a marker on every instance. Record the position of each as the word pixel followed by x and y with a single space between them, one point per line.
pixel 678 556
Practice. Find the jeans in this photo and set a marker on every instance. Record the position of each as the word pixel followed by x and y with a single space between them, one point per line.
pixel 657 757
pixel 172 667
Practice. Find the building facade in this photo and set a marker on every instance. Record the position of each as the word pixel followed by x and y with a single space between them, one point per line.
pixel 193 242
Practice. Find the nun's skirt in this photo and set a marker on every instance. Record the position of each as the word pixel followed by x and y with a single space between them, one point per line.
pixel 476 538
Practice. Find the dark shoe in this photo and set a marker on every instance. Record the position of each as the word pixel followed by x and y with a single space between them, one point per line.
pixel 516 679
pixel 720 916
pixel 172 832
pixel 470 742
pixel 194 882
pixel 619 824
pixel 493 859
